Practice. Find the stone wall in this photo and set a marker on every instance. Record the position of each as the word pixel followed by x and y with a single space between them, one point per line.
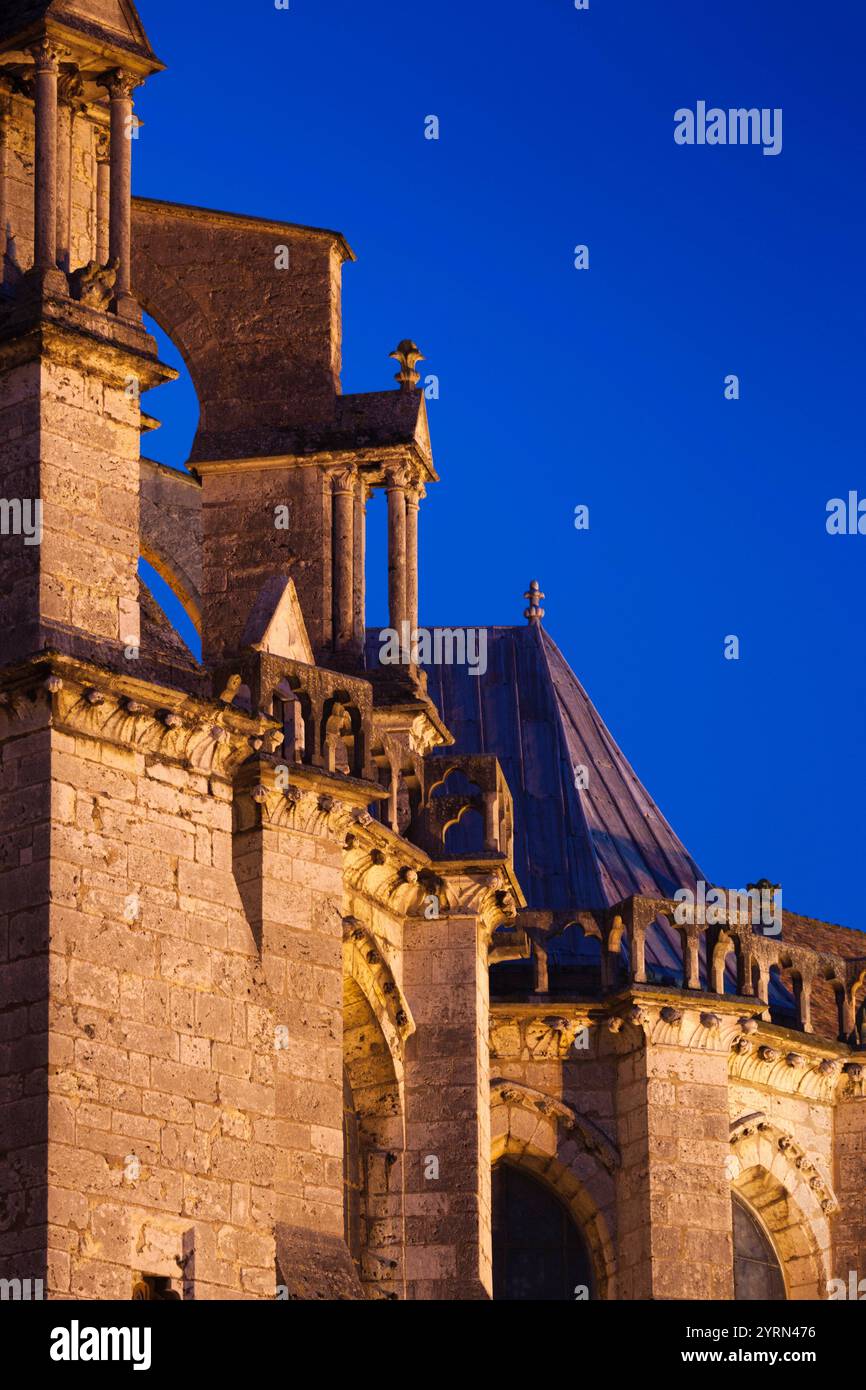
pixel 175 1083
pixel 163 1143
pixel 849 1249
pixel 25 1049
pixel 243 546
pixel 209 277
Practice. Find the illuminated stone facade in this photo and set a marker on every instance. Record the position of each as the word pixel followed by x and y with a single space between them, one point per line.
pixel 249 1048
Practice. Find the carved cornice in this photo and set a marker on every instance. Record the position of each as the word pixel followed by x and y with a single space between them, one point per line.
pixel 70 333
pixel 757 1052
pixel 767 1058
pixel 522 1033
pixel 131 714
pixel 473 889
pixel 401 878
pixel 413 731
pixel 593 1138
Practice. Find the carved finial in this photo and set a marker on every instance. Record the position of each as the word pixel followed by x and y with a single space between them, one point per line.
pixel 534 613
pixel 407 354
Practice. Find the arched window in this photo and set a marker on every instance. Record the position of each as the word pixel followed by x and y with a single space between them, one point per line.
pixel 351 1174
pixel 757 1273
pixel 539 1254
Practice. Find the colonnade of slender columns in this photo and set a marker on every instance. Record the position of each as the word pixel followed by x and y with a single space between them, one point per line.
pixel 55 121
pixel 350 492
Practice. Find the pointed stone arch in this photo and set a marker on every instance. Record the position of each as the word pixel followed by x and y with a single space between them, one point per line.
pixel 548 1141
pixel 787 1190
pixel 376 1023
pixel 364 963
pixel 170 532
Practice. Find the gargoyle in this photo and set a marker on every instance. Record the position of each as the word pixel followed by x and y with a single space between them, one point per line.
pixel 93 284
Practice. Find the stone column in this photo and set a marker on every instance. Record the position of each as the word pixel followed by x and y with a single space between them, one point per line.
pixel 121 86
pixel 345 483
pixel 69 89
pixel 491 821
pixel 103 194
pixel 413 503
pixel 46 57
pixel 362 492
pixel 396 489
pixel 5 225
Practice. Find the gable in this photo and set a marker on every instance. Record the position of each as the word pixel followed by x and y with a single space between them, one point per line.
pixel 111 21
pixel 276 624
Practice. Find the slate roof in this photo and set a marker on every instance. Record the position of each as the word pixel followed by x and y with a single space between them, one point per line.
pixel 581 847
pixel 574 847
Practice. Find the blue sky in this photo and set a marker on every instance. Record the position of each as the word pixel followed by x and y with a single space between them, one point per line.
pixel 603 387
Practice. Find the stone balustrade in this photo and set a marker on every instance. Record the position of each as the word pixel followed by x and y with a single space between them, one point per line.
pixel 326 716
pixel 479 786
pixel 732 956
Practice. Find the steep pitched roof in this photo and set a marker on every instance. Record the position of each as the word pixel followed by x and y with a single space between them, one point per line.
pixel 575 846
pixel 111 21
pixel 583 846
